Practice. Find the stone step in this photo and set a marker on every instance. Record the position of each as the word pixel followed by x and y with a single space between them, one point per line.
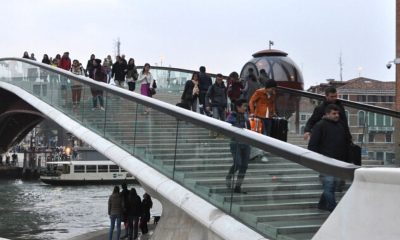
pixel 252 188
pixel 255 172
pixel 210 167
pixel 287 204
pixel 259 180
pixel 296 236
pixel 282 228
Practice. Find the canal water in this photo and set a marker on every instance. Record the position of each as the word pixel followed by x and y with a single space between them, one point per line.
pixel 37 211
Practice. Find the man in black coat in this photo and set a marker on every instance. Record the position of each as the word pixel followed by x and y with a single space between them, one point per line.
pixel 329 138
pixel 204 84
pixel 119 70
pixel 319 111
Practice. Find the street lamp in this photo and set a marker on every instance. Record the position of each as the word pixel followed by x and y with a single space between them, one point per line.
pixel 395 61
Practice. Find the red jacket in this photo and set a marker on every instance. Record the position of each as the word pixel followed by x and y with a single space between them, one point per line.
pixel 234 90
pixel 65 63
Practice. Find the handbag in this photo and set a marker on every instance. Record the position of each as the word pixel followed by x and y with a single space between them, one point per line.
pixel 354 154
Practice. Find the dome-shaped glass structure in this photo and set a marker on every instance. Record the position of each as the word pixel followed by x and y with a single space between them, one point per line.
pixel 277 66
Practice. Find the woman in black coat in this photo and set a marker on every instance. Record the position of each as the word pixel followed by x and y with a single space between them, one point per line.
pixel 146 205
pixel 191 93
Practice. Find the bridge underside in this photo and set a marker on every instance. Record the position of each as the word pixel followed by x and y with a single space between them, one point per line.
pixel 17 119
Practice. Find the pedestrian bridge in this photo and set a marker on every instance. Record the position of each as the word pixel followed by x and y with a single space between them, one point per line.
pixel 171 153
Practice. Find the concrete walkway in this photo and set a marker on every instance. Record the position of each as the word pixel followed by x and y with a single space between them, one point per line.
pixel 103 234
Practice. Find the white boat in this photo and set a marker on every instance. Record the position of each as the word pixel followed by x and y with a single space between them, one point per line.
pixel 88 171
pixel 85 172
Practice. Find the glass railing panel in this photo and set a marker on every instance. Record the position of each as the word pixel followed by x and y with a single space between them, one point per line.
pixel 375 133
pixel 296 110
pixel 277 197
pixel 200 155
pixel 171 81
pixel 154 137
pixel 271 195
pixel 120 121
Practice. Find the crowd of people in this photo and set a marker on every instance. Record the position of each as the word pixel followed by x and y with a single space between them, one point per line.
pixel 126 206
pixel 120 71
pixel 252 100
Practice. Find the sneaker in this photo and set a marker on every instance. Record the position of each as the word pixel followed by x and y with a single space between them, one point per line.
pixel 102 108
pixel 94 109
pixel 264 159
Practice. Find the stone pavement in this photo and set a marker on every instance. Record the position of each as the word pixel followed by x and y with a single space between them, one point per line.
pixel 103 234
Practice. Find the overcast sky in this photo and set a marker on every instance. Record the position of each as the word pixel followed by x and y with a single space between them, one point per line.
pixel 220 34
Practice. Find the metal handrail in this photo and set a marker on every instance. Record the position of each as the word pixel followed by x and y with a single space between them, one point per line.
pixel 361 106
pixel 291 152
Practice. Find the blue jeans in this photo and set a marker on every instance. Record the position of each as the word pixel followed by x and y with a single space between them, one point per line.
pixel 118 219
pixel 267 126
pixel 241 155
pixel 327 200
pixel 218 113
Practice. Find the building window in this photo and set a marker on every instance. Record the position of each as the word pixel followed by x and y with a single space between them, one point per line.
pixel 361 98
pixel 388 121
pixel 371 119
pixel 361 118
pixel 379 120
pixel 372 98
pixel 390 157
pixel 345 97
pixel 303 117
pixel 388 137
pixel 371 137
pixel 379 155
pixel 302 129
pixel 390 99
pixel 371 155
pixel 360 138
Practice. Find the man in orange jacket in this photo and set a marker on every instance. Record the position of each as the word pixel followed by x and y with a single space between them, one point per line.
pixel 262 105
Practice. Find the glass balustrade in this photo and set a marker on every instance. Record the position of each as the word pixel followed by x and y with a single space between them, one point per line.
pixel 277 198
